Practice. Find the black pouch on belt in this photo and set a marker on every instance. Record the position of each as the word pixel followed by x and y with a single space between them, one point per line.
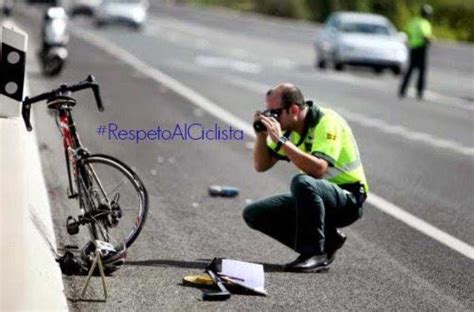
pixel 357 189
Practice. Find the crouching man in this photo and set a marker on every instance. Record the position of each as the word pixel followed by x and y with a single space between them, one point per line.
pixel 329 192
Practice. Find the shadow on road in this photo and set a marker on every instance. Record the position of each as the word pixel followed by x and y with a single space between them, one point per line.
pixel 198 264
pixel 86 300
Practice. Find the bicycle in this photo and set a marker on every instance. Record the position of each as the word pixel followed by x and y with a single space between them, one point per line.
pixel 115 214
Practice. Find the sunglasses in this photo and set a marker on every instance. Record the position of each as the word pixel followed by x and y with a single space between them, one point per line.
pixel 276 112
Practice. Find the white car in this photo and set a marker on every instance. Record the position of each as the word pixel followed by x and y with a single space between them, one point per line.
pixel 84 7
pixel 361 39
pixel 130 12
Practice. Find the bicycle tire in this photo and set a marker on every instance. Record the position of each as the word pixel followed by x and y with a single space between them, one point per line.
pixel 93 171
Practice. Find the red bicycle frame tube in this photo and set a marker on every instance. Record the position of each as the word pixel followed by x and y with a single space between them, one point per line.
pixel 71 145
pixel 68 140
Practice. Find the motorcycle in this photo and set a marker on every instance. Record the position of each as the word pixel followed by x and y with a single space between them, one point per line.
pixel 7 7
pixel 55 38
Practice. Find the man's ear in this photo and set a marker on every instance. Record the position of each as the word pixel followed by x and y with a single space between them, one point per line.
pixel 294 109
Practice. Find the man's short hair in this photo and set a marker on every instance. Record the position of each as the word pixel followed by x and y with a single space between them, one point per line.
pixel 290 94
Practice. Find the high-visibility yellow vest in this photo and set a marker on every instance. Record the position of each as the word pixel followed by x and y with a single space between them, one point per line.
pixel 417 30
pixel 328 136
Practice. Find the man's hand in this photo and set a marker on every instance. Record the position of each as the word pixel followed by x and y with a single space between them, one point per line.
pixel 273 127
pixel 262 158
pixel 256 117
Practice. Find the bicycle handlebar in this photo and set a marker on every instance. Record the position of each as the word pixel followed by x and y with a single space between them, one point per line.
pixel 90 82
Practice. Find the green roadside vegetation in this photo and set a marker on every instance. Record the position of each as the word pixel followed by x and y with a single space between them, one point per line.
pixel 452 19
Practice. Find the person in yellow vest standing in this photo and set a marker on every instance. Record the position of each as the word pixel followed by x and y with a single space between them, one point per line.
pixel 328 193
pixel 419 36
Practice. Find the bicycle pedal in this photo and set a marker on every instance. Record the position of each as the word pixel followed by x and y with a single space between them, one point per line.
pixel 72 226
pixel 113 222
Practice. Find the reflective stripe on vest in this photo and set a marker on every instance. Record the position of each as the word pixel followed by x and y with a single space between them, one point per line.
pixel 335 172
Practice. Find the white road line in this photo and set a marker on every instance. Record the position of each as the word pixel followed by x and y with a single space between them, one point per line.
pixel 446 100
pixel 227 117
pixel 405 133
pixel 429 95
pixel 251 85
pixel 227 63
pixel 364 121
pixel 422 226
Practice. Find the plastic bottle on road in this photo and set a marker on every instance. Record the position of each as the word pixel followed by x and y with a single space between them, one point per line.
pixel 223 191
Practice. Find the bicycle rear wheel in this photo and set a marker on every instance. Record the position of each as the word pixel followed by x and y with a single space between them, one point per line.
pixel 114 199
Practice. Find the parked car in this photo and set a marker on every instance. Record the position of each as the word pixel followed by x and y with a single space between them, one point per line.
pixel 130 12
pixel 84 7
pixel 361 39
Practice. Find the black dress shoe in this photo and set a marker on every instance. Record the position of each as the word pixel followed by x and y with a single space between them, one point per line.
pixel 333 244
pixel 305 263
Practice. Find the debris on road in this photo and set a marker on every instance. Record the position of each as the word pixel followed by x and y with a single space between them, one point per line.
pixel 226 277
pixel 223 191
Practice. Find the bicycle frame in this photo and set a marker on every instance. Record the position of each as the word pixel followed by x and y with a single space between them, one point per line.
pixel 99 210
pixel 73 150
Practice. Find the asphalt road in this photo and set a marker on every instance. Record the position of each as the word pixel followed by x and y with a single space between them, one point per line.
pixel 417 155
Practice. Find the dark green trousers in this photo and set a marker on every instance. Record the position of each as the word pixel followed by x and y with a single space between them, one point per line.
pixel 305 219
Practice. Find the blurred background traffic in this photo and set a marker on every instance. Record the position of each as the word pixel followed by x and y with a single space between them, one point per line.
pixel 453 19
pixel 364 33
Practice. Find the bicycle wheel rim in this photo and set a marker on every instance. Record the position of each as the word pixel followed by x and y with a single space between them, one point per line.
pixel 110 177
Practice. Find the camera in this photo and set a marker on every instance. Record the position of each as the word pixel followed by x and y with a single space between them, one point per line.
pixel 259 126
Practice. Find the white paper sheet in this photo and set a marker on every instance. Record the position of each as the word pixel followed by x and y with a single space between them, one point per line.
pixel 246 274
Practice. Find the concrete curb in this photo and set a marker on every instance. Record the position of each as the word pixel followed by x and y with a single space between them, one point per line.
pixel 31 279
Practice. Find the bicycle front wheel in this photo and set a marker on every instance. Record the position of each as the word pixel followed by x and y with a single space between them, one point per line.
pixel 114 199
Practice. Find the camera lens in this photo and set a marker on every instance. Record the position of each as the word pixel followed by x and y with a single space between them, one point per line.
pixel 259 126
